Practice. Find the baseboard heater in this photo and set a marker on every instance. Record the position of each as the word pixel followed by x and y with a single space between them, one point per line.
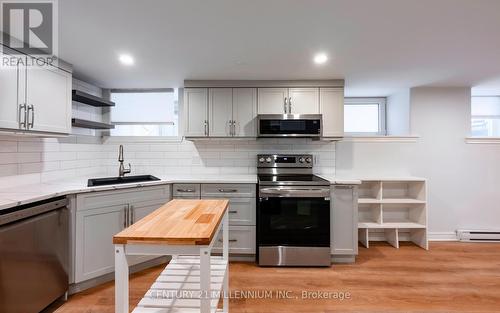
pixel 479 235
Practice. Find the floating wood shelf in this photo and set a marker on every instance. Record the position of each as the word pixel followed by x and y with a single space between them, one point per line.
pixel 83 97
pixel 76 122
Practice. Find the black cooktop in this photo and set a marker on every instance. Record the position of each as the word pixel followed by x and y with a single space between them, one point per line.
pixel 292 180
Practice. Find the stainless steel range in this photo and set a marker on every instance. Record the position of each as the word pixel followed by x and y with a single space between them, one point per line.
pixel 293 212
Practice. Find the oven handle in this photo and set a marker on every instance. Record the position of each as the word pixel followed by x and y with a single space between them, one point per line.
pixel 295 192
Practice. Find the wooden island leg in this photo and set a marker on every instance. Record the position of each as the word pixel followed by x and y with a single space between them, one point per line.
pixel 121 280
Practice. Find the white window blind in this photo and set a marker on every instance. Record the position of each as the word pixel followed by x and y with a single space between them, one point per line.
pixel 485 116
pixel 145 113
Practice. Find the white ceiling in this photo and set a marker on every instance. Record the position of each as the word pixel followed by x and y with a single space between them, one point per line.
pixel 378 46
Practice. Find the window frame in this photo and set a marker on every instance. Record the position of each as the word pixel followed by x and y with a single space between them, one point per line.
pixel 381 102
pixel 149 138
pixel 484 117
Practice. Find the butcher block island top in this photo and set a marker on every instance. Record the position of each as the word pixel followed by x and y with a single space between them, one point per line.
pixel 178 222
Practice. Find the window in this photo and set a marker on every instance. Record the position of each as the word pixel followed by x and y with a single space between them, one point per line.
pixel 485 116
pixel 364 116
pixel 145 112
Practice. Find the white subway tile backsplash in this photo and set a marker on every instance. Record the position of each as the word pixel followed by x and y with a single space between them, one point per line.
pixel 38 146
pixel 8 146
pixel 164 147
pixel 8 169
pixel 29 168
pixel 62 158
pixel 59 156
pixel 149 155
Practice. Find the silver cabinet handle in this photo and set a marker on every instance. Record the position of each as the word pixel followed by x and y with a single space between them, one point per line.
pixel 233 212
pixel 228 190
pixel 230 240
pixel 290 105
pixel 284 106
pixel 32 109
pixel 185 190
pixel 132 215
pixel 22 112
pixel 230 122
pixel 206 127
pixel 125 217
pixel 234 128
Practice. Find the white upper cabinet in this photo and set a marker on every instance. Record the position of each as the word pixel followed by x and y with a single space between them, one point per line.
pixel 11 110
pixel 331 101
pixel 48 99
pixel 272 100
pixel 230 109
pixel 35 98
pixel 244 112
pixel 220 112
pixel 288 101
pixel 303 101
pixel 196 112
pixel 220 108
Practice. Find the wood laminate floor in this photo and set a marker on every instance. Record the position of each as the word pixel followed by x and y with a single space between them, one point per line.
pixel 450 277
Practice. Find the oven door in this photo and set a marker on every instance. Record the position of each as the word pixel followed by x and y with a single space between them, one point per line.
pixel 301 219
pixel 289 125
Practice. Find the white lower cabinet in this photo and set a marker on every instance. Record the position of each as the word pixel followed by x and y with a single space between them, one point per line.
pixel 344 220
pixel 242 211
pixel 94 245
pixel 241 240
pixel 101 215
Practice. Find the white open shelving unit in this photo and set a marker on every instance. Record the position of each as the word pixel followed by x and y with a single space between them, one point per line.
pixel 393 210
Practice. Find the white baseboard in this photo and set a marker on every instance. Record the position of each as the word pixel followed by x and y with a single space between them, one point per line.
pixel 442 236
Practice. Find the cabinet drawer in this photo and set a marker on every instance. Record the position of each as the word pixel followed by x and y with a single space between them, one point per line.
pixel 93 200
pixel 191 191
pixel 241 240
pixel 227 190
pixel 242 211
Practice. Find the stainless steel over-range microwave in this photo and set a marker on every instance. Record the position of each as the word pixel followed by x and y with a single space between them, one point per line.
pixel 289 125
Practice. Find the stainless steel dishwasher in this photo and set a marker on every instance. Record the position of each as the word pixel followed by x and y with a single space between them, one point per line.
pixel 34 254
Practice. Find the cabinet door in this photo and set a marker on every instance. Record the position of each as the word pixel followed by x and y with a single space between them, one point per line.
pixel 331 104
pixel 272 100
pixel 344 220
pixel 241 240
pixel 94 245
pixel 245 112
pixel 304 100
pixel 49 92
pixel 11 115
pixel 196 112
pixel 220 111
pixel 138 211
pixel 242 211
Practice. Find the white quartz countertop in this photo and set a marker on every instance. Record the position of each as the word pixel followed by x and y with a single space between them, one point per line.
pixel 341 180
pixel 27 193
pixel 23 194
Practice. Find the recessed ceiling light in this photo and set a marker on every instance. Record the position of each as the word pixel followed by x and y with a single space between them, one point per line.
pixel 320 58
pixel 126 59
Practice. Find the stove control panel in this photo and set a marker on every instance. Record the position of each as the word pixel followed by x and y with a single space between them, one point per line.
pixel 282 160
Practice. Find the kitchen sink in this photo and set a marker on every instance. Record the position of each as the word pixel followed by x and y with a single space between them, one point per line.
pixel 93 182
